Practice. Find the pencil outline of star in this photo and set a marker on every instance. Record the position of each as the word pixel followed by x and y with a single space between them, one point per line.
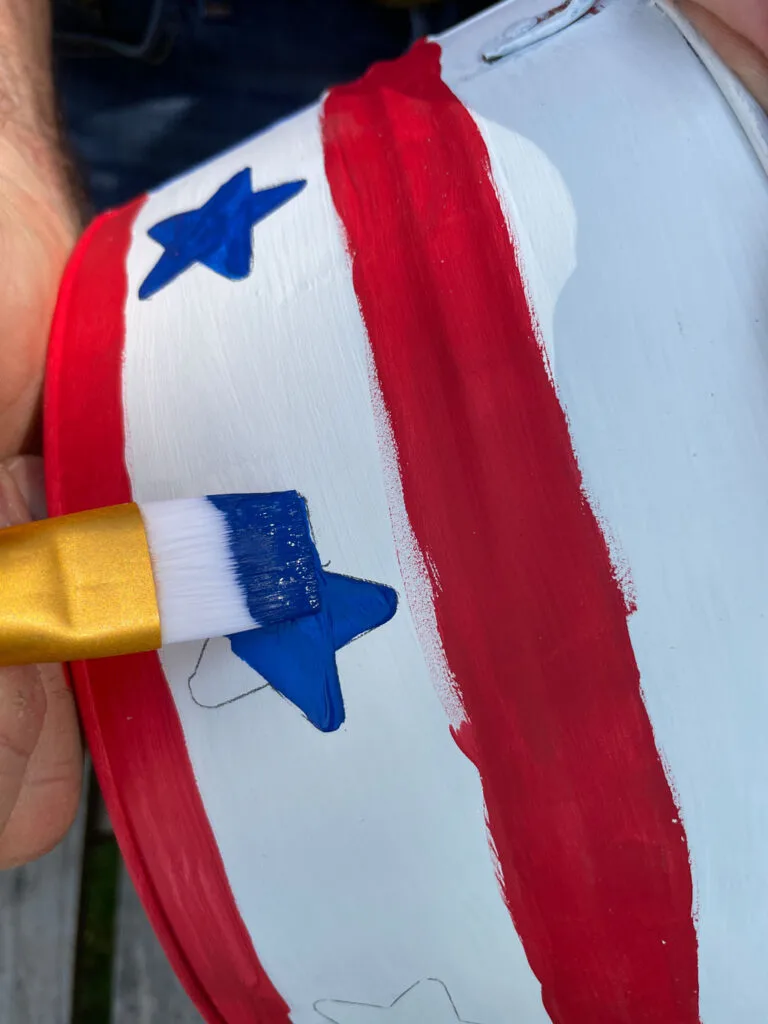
pixel 378 607
pixel 329 1003
pixel 217 234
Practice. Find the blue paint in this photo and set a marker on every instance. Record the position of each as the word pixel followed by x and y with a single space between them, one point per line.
pixel 217 234
pixel 299 658
pixel 275 558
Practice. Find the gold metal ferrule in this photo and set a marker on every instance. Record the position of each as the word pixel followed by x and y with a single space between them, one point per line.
pixel 79 586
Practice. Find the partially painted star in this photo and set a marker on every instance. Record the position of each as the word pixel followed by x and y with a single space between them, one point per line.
pixel 217 234
pixel 426 1002
pixel 298 658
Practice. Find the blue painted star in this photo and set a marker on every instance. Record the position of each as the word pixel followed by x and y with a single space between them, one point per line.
pixel 298 658
pixel 218 234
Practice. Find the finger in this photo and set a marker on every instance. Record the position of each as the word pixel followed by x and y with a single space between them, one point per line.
pixel 40 786
pixel 47 801
pixel 28 475
pixel 742 53
pixel 22 696
pixel 747 18
pixel 22 713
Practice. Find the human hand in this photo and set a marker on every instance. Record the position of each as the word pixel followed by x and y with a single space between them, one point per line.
pixel 40 749
pixel 738 31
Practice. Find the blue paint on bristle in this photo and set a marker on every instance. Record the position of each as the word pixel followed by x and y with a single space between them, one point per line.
pixel 276 562
pixel 305 615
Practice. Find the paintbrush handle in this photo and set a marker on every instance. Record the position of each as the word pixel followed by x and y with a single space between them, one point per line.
pixel 78 586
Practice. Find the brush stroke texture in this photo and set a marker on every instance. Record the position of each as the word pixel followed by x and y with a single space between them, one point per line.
pixel 591 850
pixel 217 234
pixel 359 859
pixel 129 715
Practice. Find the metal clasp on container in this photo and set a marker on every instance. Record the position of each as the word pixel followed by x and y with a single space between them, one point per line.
pixel 522 34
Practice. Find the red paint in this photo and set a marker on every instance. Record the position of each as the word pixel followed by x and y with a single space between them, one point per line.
pixel 595 867
pixel 126 706
pixel 465 739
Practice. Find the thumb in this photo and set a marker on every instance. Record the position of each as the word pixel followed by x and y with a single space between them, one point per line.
pixel 738 32
pixel 40 750
pixel 22 696
pixel 26 472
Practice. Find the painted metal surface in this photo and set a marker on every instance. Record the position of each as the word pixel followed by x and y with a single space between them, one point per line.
pixel 334 873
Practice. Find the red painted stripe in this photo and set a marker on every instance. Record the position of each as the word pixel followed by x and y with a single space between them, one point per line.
pixel 126 706
pixel 594 862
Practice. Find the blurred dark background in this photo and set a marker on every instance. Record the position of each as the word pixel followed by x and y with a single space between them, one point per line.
pixel 150 88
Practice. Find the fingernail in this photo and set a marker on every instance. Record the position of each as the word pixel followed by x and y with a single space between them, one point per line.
pixel 27 472
pixel 12 507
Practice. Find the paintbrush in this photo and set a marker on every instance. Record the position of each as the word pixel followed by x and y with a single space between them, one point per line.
pixel 135 577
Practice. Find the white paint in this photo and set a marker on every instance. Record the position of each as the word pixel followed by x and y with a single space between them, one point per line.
pixel 542 224
pixel 542 221
pixel 359 861
pixel 198 593
pixel 419 576
pixel 661 364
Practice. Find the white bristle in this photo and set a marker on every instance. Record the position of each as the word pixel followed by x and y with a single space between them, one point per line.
pixel 198 594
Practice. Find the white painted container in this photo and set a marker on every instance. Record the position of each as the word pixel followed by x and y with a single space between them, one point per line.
pixel 614 176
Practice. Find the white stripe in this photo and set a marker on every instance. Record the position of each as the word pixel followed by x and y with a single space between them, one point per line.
pixel 359 860
pixel 198 593
pixel 660 360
